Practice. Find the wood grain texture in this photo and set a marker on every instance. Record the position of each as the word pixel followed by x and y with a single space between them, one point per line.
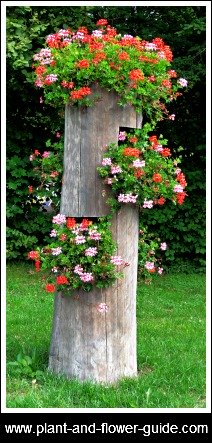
pixel 88 345
pixel 87 133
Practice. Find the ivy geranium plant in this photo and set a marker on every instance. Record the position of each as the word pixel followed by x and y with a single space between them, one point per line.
pixel 141 171
pixel 137 70
pixel 81 255
pixel 149 255
pixel 47 166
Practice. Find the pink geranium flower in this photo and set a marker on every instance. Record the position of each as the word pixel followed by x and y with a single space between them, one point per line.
pixel 116 260
pixel 46 154
pixel 94 235
pixel 122 135
pixel 182 82
pixel 59 219
pixel 86 277
pixel 78 270
pixel 91 252
pixel 79 239
pixel 106 161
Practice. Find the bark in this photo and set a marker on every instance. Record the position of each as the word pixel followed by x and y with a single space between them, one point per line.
pixel 87 344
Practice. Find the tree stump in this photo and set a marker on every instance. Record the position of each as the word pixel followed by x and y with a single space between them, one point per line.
pixel 87 344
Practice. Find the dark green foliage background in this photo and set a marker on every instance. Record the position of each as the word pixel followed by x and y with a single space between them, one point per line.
pixel 30 123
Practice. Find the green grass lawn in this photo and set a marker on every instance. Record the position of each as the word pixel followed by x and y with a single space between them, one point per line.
pixel 171 348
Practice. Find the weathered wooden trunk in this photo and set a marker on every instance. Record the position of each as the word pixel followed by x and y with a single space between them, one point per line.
pixel 87 133
pixel 87 344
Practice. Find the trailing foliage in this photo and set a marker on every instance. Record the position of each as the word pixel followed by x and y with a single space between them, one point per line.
pixel 183 228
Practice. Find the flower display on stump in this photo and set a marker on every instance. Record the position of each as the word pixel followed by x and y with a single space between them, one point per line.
pixel 74 260
pixel 148 180
pixel 138 71
pixel 139 169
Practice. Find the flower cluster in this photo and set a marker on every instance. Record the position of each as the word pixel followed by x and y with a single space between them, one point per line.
pixel 81 255
pixel 47 166
pixel 137 70
pixel 149 257
pixel 140 170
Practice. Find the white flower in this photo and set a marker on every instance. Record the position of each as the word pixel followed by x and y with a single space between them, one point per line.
pixel 178 188
pixel 138 163
pixel 148 204
pixel 102 308
pixel 56 251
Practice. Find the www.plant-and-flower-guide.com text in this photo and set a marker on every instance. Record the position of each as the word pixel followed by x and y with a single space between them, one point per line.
pixel 106 428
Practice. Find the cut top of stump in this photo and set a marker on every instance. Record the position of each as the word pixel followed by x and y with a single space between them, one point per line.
pixel 88 131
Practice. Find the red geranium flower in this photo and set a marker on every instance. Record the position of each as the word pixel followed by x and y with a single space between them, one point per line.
pixel 83 64
pixel 37 265
pixel 157 178
pixel 167 83
pixel 95 46
pixel 181 197
pixel 102 22
pixel 34 255
pixel 124 56
pixel 83 29
pixel 64 83
pixel 40 70
pixel 50 287
pixel 133 139
pixel 62 280
pixel 181 179
pixel 172 73
pixel 136 74
pixel 75 95
pixel 99 56
pixel 151 270
pixel 131 152
pixel 153 139
pixel 71 222
pixel 138 173
pixel 85 223
pixel 85 91
pixel 80 93
pixel 166 152
pixel 161 201
pixel 183 182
